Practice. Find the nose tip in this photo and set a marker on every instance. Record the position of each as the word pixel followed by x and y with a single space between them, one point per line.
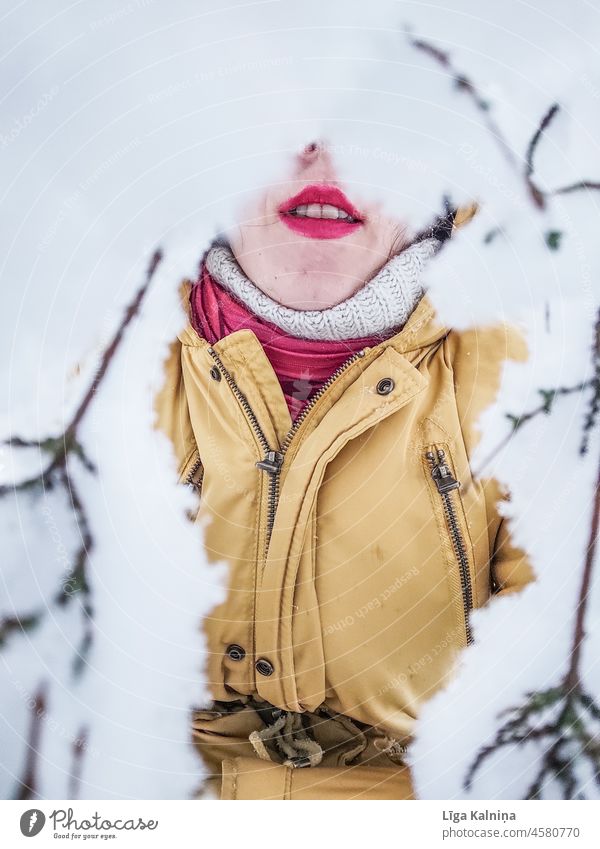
pixel 313 149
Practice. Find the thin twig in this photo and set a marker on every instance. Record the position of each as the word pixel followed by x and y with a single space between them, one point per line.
pixel 582 185
pixel 79 746
pixel 466 85
pixel 57 473
pixel 549 396
pixel 60 447
pixel 130 312
pixel 537 195
pixel 578 713
pixel 572 679
pixel 27 786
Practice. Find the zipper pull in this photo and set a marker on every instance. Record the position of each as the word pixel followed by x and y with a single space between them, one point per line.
pixel 440 472
pixel 272 462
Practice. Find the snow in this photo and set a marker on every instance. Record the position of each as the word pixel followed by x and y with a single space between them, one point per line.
pixel 126 125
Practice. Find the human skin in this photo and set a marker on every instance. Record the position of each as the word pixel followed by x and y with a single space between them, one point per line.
pixel 313 272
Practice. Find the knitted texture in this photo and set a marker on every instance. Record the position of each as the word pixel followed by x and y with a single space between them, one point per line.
pixel 301 365
pixel 384 302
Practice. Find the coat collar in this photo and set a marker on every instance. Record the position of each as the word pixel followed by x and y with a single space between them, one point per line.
pixel 422 329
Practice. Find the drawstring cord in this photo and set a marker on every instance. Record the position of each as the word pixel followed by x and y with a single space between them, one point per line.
pixel 290 738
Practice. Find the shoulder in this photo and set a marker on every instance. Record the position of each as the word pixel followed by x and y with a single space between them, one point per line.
pixel 477 357
pixel 172 361
pixel 170 401
pixel 488 344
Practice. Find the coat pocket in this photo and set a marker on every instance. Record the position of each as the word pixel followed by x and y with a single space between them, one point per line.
pixel 192 474
pixel 192 471
pixel 450 515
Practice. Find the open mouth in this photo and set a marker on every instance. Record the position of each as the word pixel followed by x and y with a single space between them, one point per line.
pixel 320 212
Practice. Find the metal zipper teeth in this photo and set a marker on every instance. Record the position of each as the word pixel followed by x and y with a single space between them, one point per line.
pixel 301 417
pixel 313 400
pixel 194 469
pixel 272 457
pixel 242 399
pixel 455 534
pixel 273 476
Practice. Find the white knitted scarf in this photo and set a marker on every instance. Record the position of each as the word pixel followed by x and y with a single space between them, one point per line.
pixel 384 303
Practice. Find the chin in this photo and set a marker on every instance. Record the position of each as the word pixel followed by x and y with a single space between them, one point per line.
pixel 320 256
pixel 319 289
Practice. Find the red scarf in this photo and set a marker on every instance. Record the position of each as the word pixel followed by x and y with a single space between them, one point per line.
pixel 302 365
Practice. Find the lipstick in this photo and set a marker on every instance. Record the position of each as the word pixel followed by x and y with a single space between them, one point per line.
pixel 320 211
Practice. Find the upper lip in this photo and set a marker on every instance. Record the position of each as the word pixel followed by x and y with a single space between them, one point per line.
pixel 322 194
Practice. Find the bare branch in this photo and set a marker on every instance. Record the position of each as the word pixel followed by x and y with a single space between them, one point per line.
pixel 581 186
pixel 465 84
pixel 549 396
pixel 27 787
pixel 79 747
pixel 536 194
pixel 60 447
pixel 566 737
pixel 572 679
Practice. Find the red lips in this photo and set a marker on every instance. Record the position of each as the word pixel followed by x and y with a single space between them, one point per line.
pixel 320 228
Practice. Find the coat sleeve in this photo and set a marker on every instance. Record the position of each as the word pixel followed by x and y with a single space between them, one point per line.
pixel 173 415
pixel 510 568
pixel 478 356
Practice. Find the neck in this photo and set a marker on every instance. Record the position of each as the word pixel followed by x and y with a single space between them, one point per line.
pixel 382 305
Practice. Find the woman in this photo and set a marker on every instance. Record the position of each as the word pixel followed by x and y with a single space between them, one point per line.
pixel 327 418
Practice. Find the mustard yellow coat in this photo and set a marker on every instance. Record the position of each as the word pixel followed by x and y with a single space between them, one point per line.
pixel 355 550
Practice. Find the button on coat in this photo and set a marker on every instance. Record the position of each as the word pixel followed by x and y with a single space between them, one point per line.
pixel 235 652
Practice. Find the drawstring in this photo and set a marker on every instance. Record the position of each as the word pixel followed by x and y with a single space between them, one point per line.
pixel 287 734
pixel 394 749
pixel 356 735
pixel 291 739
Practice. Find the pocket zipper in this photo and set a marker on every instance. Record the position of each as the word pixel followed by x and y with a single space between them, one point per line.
pixel 446 483
pixel 189 480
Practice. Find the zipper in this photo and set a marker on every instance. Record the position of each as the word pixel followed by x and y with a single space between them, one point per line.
pixel 273 459
pixel 192 474
pixel 446 483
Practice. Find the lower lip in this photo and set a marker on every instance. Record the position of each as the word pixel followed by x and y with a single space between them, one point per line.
pixel 319 228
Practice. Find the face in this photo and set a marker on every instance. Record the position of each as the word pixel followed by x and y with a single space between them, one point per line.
pixel 307 243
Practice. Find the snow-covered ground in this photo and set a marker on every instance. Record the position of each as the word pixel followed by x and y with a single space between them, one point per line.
pixel 135 124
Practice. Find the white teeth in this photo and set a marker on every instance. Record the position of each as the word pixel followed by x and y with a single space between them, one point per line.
pixel 313 210
pixel 329 211
pixel 317 210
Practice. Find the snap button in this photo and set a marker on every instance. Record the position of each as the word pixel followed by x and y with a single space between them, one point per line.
pixel 264 667
pixel 385 386
pixel 236 652
pixel 215 373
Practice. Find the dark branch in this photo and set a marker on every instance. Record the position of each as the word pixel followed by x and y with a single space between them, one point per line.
pixel 537 195
pixel 57 473
pixel 549 396
pixel 465 84
pixel 79 747
pixel 27 786
pixel 582 185
pixel 67 443
pixel 572 679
